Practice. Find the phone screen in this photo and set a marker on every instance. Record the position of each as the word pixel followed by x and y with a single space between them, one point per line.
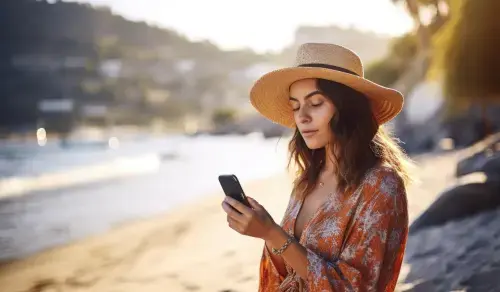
pixel 232 187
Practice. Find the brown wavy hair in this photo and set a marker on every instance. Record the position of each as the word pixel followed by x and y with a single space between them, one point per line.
pixel 360 143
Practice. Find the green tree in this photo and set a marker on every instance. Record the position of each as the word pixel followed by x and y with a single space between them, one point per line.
pixel 469 60
pixel 387 71
pixel 472 55
pixel 417 68
pixel 223 116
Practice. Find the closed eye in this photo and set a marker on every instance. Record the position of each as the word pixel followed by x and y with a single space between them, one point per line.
pixel 314 105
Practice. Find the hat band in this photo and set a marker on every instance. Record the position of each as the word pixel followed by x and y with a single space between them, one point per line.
pixel 326 66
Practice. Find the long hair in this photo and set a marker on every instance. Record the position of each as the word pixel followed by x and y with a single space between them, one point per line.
pixel 359 143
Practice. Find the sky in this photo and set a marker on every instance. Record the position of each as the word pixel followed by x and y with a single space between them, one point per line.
pixel 262 25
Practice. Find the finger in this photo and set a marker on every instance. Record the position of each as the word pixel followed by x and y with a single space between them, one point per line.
pixel 231 212
pixel 235 225
pixel 238 206
pixel 232 221
pixel 239 220
pixel 255 205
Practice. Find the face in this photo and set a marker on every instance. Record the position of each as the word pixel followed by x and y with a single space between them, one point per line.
pixel 312 112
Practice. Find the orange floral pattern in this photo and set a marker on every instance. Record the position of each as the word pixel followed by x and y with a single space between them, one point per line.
pixel 364 255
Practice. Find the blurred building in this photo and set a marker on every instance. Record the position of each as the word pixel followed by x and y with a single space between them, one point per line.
pixel 110 69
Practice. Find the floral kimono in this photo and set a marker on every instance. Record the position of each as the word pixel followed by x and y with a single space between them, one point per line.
pixel 354 242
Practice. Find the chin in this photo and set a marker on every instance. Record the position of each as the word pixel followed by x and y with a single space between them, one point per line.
pixel 314 144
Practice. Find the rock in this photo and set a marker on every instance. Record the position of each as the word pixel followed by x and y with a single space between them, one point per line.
pixel 462 254
pixel 464 129
pixel 426 286
pixel 484 157
pixel 459 202
pixel 484 281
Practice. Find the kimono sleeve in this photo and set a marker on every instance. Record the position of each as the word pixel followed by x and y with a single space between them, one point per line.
pixel 270 278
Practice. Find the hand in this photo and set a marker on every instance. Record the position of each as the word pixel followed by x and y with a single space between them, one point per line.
pixel 255 221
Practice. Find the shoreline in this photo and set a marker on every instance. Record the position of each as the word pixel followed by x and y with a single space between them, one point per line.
pixel 152 250
pixel 117 168
pixel 189 248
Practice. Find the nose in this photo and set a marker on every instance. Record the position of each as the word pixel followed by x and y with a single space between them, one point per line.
pixel 303 116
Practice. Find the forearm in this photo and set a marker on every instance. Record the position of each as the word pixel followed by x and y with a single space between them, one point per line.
pixel 295 254
pixel 277 260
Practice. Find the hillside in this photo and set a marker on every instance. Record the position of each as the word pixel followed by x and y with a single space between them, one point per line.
pixel 81 24
pixel 89 56
pixel 369 46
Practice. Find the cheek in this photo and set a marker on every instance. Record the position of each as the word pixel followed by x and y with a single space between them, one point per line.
pixel 324 116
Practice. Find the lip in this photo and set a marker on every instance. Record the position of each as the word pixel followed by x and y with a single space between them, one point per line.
pixel 308 133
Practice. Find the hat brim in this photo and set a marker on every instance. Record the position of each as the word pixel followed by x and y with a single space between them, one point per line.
pixel 270 94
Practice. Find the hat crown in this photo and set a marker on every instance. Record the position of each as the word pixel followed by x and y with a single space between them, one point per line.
pixel 329 54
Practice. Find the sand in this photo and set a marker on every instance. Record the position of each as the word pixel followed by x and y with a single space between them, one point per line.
pixel 189 249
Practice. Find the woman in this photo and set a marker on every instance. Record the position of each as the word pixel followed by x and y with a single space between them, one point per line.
pixel 346 224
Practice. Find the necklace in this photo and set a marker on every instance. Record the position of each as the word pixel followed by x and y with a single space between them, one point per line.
pixel 322 184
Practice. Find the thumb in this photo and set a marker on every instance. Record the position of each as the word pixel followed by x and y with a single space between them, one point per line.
pixel 255 205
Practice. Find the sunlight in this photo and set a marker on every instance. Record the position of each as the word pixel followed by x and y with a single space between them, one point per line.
pixel 262 25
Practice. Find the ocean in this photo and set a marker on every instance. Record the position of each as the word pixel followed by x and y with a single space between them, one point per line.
pixel 53 195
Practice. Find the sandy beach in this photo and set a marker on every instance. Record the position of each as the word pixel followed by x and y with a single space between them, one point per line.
pixel 188 249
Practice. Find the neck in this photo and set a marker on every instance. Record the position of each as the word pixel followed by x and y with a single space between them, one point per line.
pixel 330 166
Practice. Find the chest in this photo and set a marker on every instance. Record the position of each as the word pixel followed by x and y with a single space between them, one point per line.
pixel 308 210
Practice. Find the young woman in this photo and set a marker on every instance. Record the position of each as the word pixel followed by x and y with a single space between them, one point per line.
pixel 346 224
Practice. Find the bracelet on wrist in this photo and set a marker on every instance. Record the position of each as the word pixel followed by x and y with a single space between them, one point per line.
pixel 280 250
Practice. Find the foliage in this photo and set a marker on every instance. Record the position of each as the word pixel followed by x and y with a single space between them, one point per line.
pixel 384 72
pixel 59 31
pixel 442 39
pixel 389 69
pixel 405 47
pixel 471 59
pixel 223 116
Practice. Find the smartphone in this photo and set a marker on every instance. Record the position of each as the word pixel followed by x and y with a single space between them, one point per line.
pixel 232 187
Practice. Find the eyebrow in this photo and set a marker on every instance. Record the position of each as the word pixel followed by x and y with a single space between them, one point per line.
pixel 308 95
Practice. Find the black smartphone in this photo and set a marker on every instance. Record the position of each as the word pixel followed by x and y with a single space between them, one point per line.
pixel 232 187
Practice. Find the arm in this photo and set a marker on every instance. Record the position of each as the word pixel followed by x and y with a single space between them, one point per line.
pixel 276 261
pixel 373 253
pixel 372 256
pixel 273 266
pixel 257 222
pixel 272 270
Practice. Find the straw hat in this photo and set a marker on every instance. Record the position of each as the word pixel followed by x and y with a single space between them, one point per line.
pixel 270 94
